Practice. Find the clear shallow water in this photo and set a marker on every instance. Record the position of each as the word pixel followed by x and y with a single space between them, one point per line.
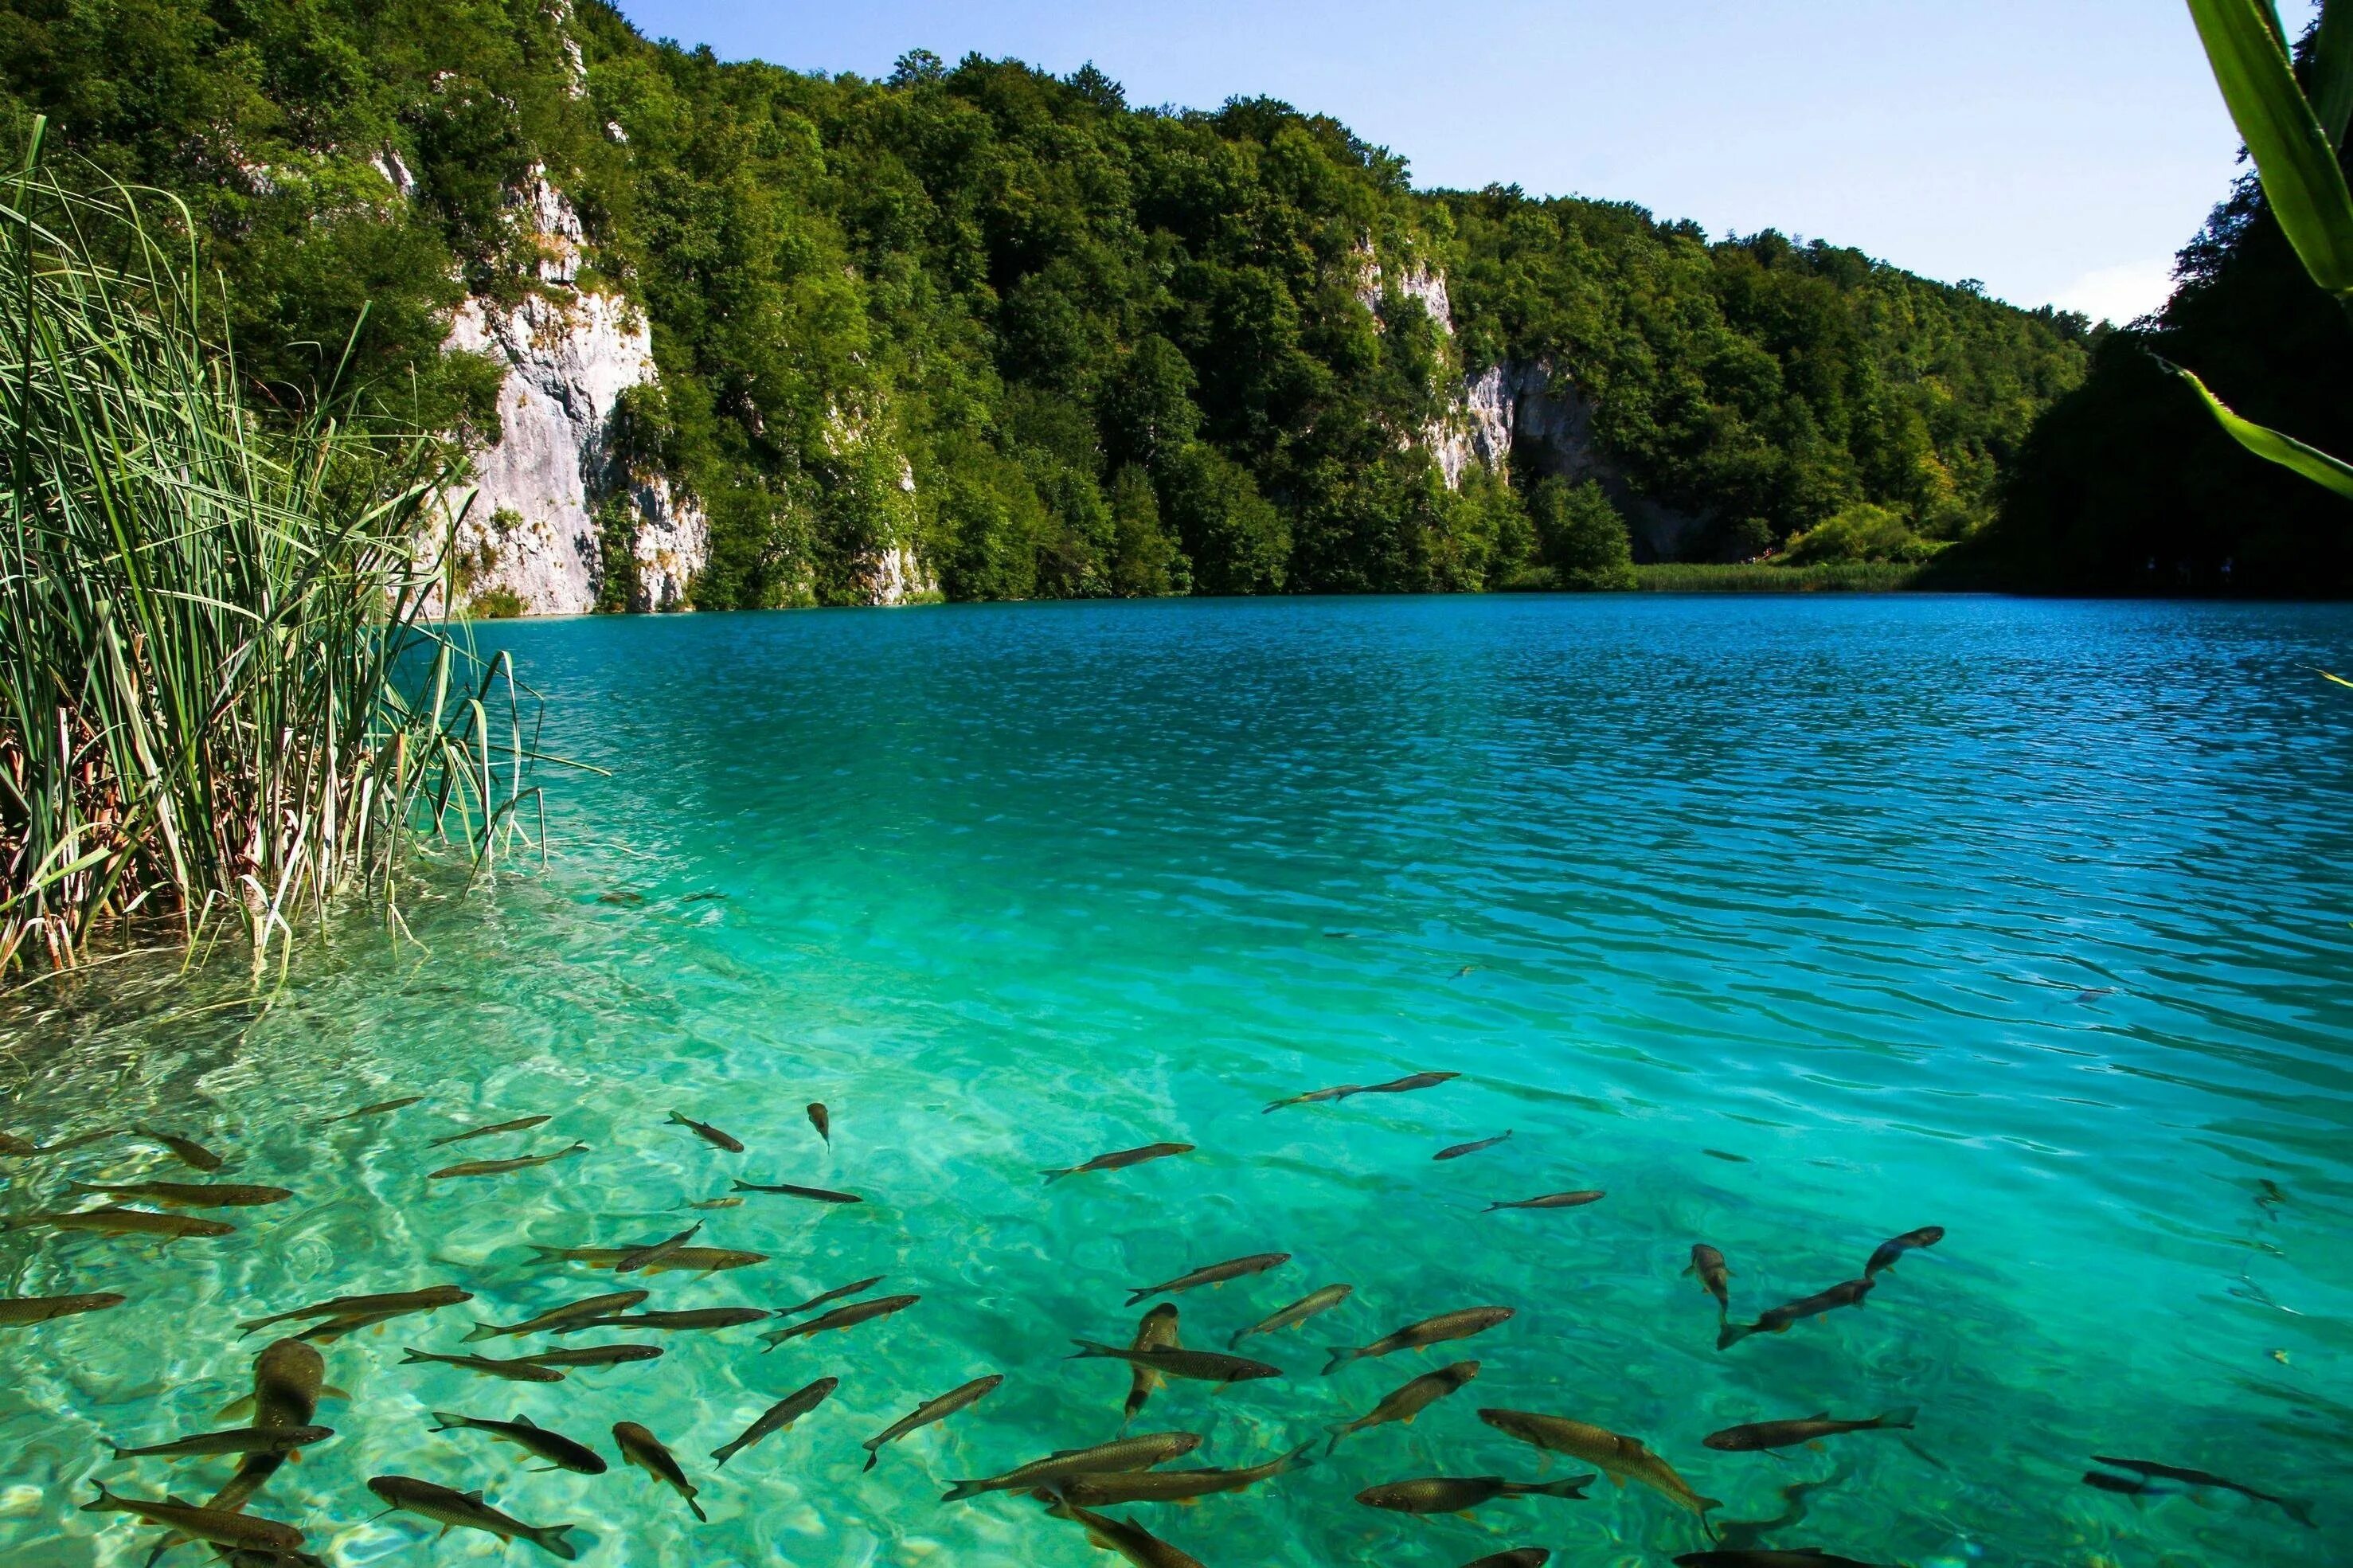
pixel 2028 919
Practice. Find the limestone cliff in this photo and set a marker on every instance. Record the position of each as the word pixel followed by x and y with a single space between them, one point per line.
pixel 1528 412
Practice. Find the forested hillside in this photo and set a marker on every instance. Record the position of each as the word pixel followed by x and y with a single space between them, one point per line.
pixel 1053 343
pixel 2129 486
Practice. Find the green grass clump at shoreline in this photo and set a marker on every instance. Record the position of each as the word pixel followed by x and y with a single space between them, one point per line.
pixel 219 701
pixel 1837 576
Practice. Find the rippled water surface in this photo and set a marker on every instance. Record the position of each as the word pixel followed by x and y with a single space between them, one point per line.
pixel 1793 924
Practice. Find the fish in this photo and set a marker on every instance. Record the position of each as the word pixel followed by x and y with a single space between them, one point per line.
pixel 454 1510
pixel 14 1147
pixel 1809 1430
pixel 1715 1276
pixel 593 1356
pixel 1108 1488
pixel 708 1133
pixel 835 1294
pixel 821 1119
pixel 117 1220
pixel 191 1194
pixel 842 1318
pixel 1767 1557
pixel 779 1417
pixel 500 1167
pixel 190 1152
pixel 1524 1557
pixel 1553 1200
pixel 1456 1151
pixel 1456 1324
pixel 22 1311
pixel 1141 1452
pixel 522 1369
pixel 785 1188
pixel 709 1259
pixel 1156 1332
pixel 334 1329
pixel 1316 1097
pixel 218 1526
pixel 113 1220
pixel 289 1377
pixel 1461 1494
pixel 658 1251
pixel 1777 1319
pixel 1407 1401
pixel 698 1318
pixel 1890 1252
pixel 395 1302
pixel 1406 1085
pixel 930 1411
pixel 594 1306
pixel 1622 1459
pixel 1726 1156
pixel 236 1440
pixel 1198 1366
pixel 520 1124
pixel 2296 1509
pixel 1214 1273
pixel 643 1449
pixel 560 1452
pixel 706 896
pixel 1410 1083
pixel 1126 1537
pixel 718 1203
pixel 2272 1196
pixel 1121 1161
pixel 2124 1486
pixel 623 897
pixel 1322 1299
pixel 382 1108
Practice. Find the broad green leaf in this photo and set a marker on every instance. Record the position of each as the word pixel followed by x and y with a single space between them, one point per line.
pixel 2332 70
pixel 2296 157
pixel 2274 447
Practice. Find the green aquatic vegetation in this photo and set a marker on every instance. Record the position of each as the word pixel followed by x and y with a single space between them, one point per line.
pixel 221 701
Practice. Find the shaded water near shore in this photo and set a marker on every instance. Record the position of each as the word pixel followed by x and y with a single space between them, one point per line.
pixel 1793 925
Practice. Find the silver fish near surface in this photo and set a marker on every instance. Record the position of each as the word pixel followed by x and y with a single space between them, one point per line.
pixel 1456 1324
pixel 561 1451
pixel 453 1510
pixel 1214 1273
pixel 708 1133
pixel 1141 1452
pixel 1320 1300
pixel 779 1417
pixel 643 1449
pixel 931 1411
pixel 1121 1160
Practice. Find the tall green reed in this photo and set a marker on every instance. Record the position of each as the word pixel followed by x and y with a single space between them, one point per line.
pixel 222 705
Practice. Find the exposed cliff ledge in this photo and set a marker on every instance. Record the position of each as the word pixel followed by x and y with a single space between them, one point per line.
pixel 532 529
pixel 1532 414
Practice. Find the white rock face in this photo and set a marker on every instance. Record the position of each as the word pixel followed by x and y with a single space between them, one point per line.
pixel 530 526
pixel 1530 411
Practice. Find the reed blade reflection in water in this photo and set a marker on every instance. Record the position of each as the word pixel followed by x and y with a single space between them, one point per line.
pixel 1791 926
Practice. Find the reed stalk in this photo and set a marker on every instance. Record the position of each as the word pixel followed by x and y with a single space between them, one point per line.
pixel 223 706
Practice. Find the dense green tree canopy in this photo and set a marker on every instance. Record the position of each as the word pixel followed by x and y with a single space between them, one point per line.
pixel 1118 351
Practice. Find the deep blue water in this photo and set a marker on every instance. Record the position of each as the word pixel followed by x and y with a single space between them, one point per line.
pixel 1793 924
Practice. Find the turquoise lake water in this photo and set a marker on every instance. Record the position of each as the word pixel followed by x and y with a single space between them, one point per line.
pixel 1793 924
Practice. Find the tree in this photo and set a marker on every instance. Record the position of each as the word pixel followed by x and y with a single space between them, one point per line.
pixel 1580 535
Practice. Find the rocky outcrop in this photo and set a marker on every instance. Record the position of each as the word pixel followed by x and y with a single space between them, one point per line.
pixel 547 504
pixel 1531 414
pixel 529 527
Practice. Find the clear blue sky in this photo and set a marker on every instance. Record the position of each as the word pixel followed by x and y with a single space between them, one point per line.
pixel 2059 150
